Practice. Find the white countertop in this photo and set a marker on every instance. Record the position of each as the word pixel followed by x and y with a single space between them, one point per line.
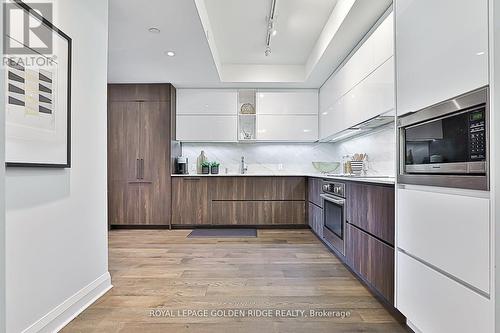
pixel 368 179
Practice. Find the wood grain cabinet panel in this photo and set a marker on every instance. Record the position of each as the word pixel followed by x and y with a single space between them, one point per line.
pixel 371 208
pixel 190 201
pixel 315 217
pixel 232 188
pixel 139 92
pixel 139 121
pixel 258 213
pixel 257 188
pixel 314 190
pixel 372 259
pixel 279 188
pixel 123 203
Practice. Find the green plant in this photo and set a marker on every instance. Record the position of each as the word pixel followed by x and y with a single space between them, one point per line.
pixel 205 164
pixel 215 164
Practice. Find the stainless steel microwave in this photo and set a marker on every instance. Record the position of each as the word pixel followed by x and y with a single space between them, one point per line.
pixel 447 144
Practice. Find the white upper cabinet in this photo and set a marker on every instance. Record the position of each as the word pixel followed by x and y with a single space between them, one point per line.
pixel 211 115
pixel 207 115
pixel 292 102
pixel 287 115
pixel 297 128
pixel 442 50
pixel 203 128
pixel 363 87
pixel 207 101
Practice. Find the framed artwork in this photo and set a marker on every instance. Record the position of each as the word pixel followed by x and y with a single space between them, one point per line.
pixel 38 89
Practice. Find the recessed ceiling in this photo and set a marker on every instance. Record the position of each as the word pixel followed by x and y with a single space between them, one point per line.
pixel 221 43
pixel 239 28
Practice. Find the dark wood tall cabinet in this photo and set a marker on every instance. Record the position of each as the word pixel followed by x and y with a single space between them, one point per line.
pixel 139 157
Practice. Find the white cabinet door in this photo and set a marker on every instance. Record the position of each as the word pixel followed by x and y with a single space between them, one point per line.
pixel 448 231
pixel 332 119
pixel 372 97
pixel 442 50
pixel 210 128
pixel 207 101
pixel 287 128
pixel 374 52
pixel 292 102
pixel 436 304
pixel 363 87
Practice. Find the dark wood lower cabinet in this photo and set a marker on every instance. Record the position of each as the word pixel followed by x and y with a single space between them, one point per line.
pixel 190 201
pixel 255 201
pixel 258 213
pixel 314 190
pixel 258 188
pixel 316 219
pixel 370 207
pixel 372 259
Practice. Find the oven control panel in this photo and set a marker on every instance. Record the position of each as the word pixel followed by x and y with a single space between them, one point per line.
pixel 337 189
pixel 477 136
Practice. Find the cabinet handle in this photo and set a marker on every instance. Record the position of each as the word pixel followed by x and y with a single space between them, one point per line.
pixel 140 182
pixel 142 168
pixel 137 169
pixel 192 179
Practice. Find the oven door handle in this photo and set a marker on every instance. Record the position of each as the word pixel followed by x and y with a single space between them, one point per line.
pixel 329 198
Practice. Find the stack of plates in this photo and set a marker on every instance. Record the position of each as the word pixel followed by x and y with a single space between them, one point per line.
pixel 357 167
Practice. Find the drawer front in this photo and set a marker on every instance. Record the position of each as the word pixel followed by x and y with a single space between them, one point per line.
pixel 451 232
pixel 372 259
pixel 232 188
pixel 316 219
pixel 434 303
pixel 258 188
pixel 258 213
pixel 314 190
pixel 372 208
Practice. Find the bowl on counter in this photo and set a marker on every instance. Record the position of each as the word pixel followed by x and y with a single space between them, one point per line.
pixel 326 167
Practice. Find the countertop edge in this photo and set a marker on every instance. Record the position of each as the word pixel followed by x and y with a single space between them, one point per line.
pixel 382 180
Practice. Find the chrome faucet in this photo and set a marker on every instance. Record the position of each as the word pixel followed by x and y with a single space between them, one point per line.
pixel 243 167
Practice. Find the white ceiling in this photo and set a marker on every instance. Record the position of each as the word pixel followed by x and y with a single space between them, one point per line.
pixel 239 28
pixel 221 43
pixel 136 55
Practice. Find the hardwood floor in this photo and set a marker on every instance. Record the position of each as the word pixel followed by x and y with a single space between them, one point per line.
pixel 279 270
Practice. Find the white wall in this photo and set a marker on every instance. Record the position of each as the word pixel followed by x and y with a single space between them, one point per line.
pixel 2 192
pixel 57 219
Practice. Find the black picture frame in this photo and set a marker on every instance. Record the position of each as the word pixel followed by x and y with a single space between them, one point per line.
pixel 63 35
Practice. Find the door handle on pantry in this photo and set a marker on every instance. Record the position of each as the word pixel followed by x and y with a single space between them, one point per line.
pixel 137 169
pixel 142 168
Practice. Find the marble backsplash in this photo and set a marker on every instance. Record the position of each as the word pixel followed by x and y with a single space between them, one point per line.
pixel 297 157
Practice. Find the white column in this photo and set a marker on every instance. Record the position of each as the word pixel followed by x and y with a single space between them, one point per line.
pixel 494 31
pixel 2 186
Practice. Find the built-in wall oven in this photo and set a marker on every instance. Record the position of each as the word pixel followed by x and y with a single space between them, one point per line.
pixel 334 219
pixel 447 144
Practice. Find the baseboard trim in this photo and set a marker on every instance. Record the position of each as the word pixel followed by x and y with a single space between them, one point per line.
pixel 65 312
pixel 413 327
